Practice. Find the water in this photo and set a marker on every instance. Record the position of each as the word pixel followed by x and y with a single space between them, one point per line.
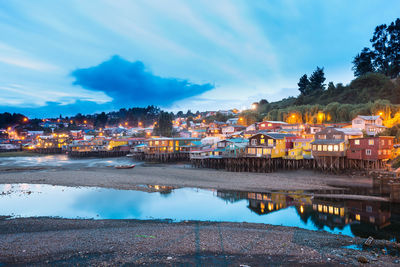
pixel 346 217
pixel 52 161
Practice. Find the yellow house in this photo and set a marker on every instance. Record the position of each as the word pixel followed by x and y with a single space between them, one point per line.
pixel 269 145
pixel 301 149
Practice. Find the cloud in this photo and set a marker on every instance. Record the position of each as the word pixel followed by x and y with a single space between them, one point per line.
pixel 131 84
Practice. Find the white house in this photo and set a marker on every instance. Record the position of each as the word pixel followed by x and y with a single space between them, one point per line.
pixel 370 124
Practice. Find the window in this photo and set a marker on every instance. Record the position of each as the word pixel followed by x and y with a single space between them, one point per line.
pixel 262 141
pixel 371 142
pixel 390 142
pixel 357 142
pixel 368 208
pixel 265 151
pixel 254 142
pixel 368 152
pixel 379 152
pixel 336 148
pixel 341 147
pixel 383 142
pixel 337 136
pixel 319 147
pixel 384 152
pixel 358 217
pixel 269 124
pixel 324 147
pixel 330 148
pixel 322 136
pixel 270 142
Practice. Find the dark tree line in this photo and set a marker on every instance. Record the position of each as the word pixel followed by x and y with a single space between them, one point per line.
pixel 384 56
pixel 314 84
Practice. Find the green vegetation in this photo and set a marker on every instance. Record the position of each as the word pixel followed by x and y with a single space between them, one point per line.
pixel 164 125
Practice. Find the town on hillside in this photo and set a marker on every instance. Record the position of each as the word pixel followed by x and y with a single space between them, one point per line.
pixel 232 144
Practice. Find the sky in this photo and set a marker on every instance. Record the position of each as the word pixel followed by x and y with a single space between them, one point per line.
pixel 65 57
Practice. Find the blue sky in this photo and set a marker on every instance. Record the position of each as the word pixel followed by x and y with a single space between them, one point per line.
pixel 64 56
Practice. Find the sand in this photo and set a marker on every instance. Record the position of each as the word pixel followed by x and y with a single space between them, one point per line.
pixel 183 176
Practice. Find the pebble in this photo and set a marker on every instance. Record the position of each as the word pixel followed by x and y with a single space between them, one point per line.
pixel 362 259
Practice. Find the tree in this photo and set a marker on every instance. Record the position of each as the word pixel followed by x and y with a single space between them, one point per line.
pixel 317 80
pixel 303 84
pixel 164 124
pixel 101 120
pixel 362 62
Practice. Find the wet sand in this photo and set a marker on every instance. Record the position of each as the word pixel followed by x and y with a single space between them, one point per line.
pixel 183 176
pixel 46 241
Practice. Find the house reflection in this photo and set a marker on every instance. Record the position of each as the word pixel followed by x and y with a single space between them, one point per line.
pixel 379 219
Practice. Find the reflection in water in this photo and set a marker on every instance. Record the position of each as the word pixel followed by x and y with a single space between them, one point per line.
pixel 62 161
pixel 348 217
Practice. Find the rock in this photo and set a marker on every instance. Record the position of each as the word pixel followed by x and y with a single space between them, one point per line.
pixel 369 241
pixel 362 259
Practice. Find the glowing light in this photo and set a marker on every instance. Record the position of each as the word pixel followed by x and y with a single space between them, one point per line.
pixel 85 121
pixel 254 106
pixel 25 119
pixel 301 209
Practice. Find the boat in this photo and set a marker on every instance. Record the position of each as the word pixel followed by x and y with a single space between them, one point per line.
pixel 125 166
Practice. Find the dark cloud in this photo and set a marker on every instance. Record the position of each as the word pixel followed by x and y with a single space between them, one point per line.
pixel 131 84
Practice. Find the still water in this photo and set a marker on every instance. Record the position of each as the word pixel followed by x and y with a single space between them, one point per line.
pixel 63 161
pixel 346 217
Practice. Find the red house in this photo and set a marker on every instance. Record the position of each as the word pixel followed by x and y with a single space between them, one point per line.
pixel 270 125
pixel 370 148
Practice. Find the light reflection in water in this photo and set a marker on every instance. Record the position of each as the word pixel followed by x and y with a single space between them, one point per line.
pixel 287 209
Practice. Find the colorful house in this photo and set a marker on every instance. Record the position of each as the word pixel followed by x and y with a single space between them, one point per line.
pixel 270 125
pixel 170 144
pixel 270 145
pixel 371 148
pixel 370 124
pixel 301 149
pixel 329 142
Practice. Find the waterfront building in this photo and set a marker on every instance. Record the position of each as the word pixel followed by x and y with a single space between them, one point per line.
pixel 265 144
pixel 371 148
pixel 370 124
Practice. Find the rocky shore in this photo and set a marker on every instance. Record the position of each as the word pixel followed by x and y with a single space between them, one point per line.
pixel 49 242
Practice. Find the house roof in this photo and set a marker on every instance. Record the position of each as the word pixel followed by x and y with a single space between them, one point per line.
pixel 327 141
pixel 349 131
pixel 369 118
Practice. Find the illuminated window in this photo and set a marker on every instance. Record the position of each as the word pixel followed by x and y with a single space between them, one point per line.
pixel 371 219
pixel 270 142
pixel 358 217
pixel 336 148
pixel 390 142
pixel 262 141
pixel 325 208
pixel 357 142
pixel 322 136
pixel 341 147
pixel 330 209
pixel 336 211
pixel 324 147
pixel 265 151
pixel 371 142
pixel 319 147
pixel 314 147
pixel 383 142
pixel 320 208
pixel 259 151
pixel 330 148
pixel 269 124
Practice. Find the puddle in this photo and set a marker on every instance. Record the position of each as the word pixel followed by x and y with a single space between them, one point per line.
pixel 353 247
pixel 345 217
